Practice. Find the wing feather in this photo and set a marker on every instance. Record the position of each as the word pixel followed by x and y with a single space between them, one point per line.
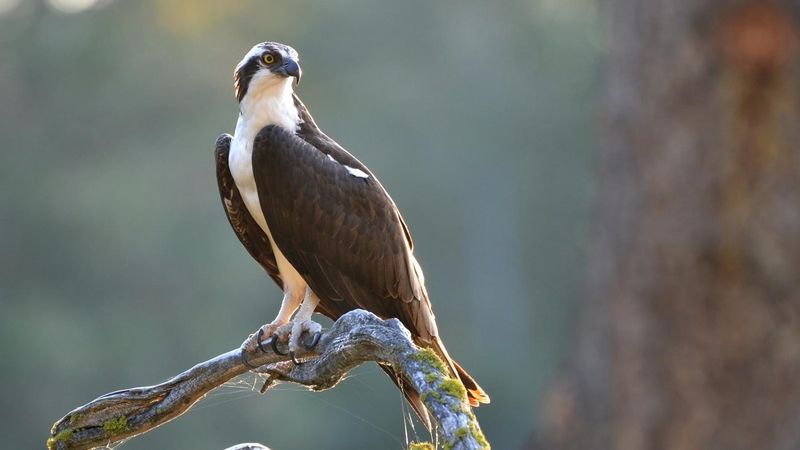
pixel 342 233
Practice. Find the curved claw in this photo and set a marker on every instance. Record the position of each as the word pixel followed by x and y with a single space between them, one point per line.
pixel 243 357
pixel 258 340
pixel 274 344
pixel 314 341
pixel 294 359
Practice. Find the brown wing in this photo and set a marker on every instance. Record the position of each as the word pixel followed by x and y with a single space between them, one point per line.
pixel 342 233
pixel 246 228
pixel 310 132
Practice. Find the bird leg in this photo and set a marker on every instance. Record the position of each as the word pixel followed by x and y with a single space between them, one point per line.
pixel 302 322
pixel 280 327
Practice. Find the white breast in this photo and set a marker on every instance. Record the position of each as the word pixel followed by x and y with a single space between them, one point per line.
pixel 240 161
pixel 268 110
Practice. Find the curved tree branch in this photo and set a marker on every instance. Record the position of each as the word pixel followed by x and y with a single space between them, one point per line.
pixel 355 338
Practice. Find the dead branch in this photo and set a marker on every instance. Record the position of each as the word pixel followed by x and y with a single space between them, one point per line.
pixel 355 338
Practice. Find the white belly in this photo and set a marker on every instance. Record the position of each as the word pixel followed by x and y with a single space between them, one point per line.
pixel 240 161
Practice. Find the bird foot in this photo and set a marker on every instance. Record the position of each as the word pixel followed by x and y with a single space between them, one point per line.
pixel 254 340
pixel 298 328
pixel 281 333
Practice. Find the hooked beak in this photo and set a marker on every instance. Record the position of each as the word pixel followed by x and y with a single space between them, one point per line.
pixel 290 68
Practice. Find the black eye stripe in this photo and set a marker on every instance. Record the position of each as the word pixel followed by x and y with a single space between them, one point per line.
pixel 244 75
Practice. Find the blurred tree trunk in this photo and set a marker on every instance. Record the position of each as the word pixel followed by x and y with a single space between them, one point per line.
pixel 690 336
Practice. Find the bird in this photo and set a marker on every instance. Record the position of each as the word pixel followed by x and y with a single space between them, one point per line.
pixel 317 220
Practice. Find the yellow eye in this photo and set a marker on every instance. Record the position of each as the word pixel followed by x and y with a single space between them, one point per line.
pixel 269 59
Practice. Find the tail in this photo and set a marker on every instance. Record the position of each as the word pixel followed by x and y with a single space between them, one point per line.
pixel 475 394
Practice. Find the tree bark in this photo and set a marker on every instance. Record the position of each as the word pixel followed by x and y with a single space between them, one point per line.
pixel 355 338
pixel 690 335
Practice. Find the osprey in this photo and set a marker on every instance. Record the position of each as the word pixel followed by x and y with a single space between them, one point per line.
pixel 316 219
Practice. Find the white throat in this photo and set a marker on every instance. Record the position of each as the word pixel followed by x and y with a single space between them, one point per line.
pixel 268 102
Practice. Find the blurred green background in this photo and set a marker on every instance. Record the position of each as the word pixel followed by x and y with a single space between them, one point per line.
pixel 119 268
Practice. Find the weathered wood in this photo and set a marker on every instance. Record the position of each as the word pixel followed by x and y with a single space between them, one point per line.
pixel 355 338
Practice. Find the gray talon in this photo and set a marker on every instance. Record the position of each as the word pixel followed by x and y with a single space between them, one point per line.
pixel 274 344
pixel 243 356
pixel 258 340
pixel 314 341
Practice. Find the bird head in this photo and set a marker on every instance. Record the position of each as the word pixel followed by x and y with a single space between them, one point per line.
pixel 267 66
